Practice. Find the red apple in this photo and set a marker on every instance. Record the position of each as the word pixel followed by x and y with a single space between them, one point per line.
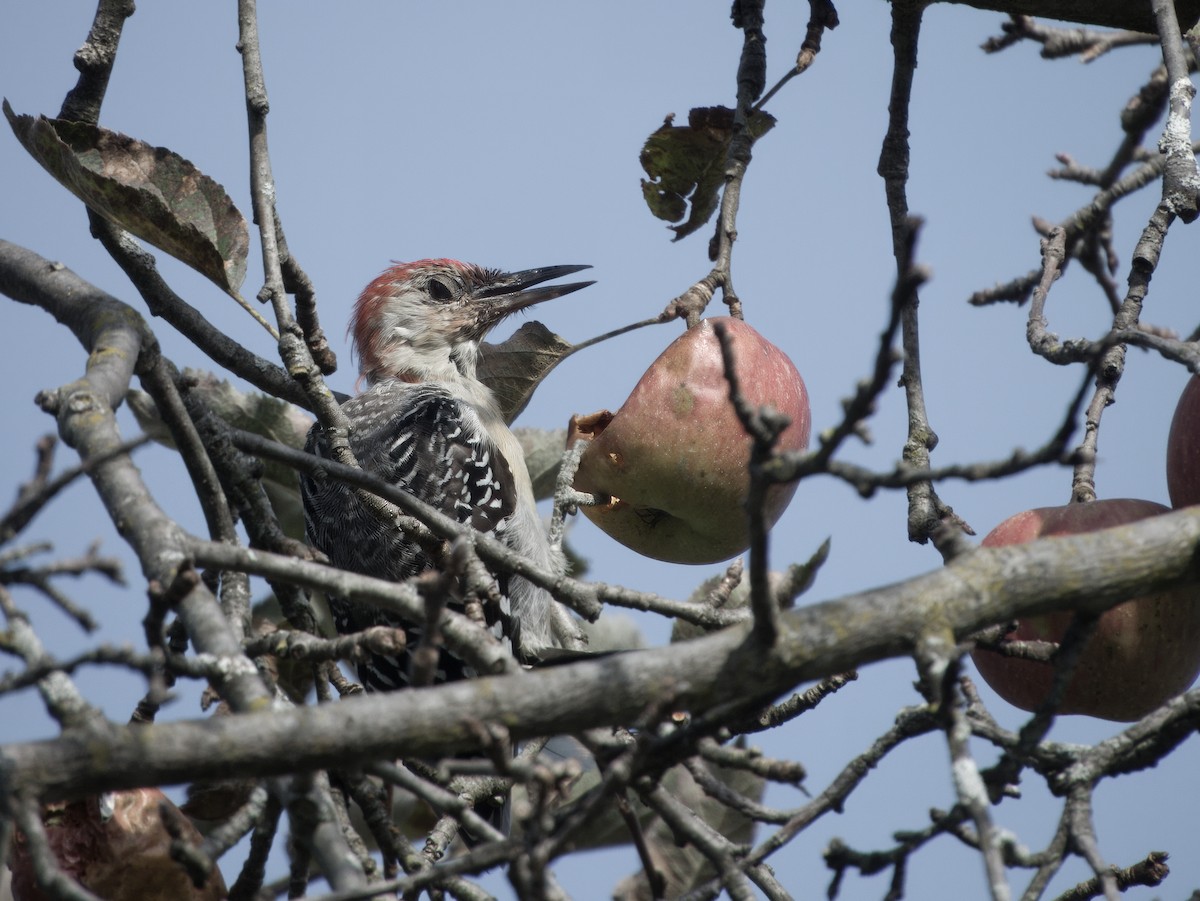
pixel 674 457
pixel 1143 652
pixel 1183 448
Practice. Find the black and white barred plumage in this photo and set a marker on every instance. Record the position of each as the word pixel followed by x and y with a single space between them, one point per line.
pixel 414 437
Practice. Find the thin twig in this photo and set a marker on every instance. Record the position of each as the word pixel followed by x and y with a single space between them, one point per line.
pixel 822 16
pixel 763 426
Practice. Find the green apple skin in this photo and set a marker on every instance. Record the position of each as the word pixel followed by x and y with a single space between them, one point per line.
pixel 1143 652
pixel 675 455
pixel 1183 448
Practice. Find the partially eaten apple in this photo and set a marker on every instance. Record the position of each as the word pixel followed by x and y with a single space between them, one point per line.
pixel 673 461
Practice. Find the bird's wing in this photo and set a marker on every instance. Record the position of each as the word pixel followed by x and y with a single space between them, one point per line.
pixel 438 450
pixel 421 439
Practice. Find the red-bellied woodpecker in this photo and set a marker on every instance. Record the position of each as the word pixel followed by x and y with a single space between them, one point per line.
pixel 427 424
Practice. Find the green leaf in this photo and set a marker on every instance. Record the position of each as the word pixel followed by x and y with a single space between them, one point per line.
pixel 151 192
pixel 687 163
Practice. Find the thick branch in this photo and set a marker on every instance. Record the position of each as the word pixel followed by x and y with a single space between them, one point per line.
pixel 1110 13
pixel 1088 572
pixel 114 335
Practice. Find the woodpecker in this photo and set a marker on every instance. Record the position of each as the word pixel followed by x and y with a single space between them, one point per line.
pixel 427 424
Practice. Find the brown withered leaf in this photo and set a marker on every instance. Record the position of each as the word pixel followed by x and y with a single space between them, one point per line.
pixel 686 164
pixel 150 191
pixel 514 368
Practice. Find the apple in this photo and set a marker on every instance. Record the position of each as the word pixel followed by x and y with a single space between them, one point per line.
pixel 1142 653
pixel 674 458
pixel 1183 448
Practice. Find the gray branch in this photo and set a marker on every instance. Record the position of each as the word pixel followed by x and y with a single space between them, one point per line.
pixel 1088 572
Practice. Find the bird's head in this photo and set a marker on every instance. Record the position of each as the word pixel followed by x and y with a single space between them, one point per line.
pixel 423 321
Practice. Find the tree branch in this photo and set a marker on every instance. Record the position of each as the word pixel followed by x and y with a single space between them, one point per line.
pixel 1088 573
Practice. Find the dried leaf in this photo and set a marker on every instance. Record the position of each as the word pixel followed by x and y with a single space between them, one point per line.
pixel 687 163
pixel 682 865
pixel 515 368
pixel 543 450
pixel 259 413
pixel 785 586
pixel 150 191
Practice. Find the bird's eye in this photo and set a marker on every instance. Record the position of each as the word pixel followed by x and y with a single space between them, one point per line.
pixel 440 288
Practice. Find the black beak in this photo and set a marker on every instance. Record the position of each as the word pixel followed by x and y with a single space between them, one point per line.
pixel 511 292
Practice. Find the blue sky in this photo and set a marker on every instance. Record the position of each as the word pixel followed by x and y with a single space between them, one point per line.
pixel 511 139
